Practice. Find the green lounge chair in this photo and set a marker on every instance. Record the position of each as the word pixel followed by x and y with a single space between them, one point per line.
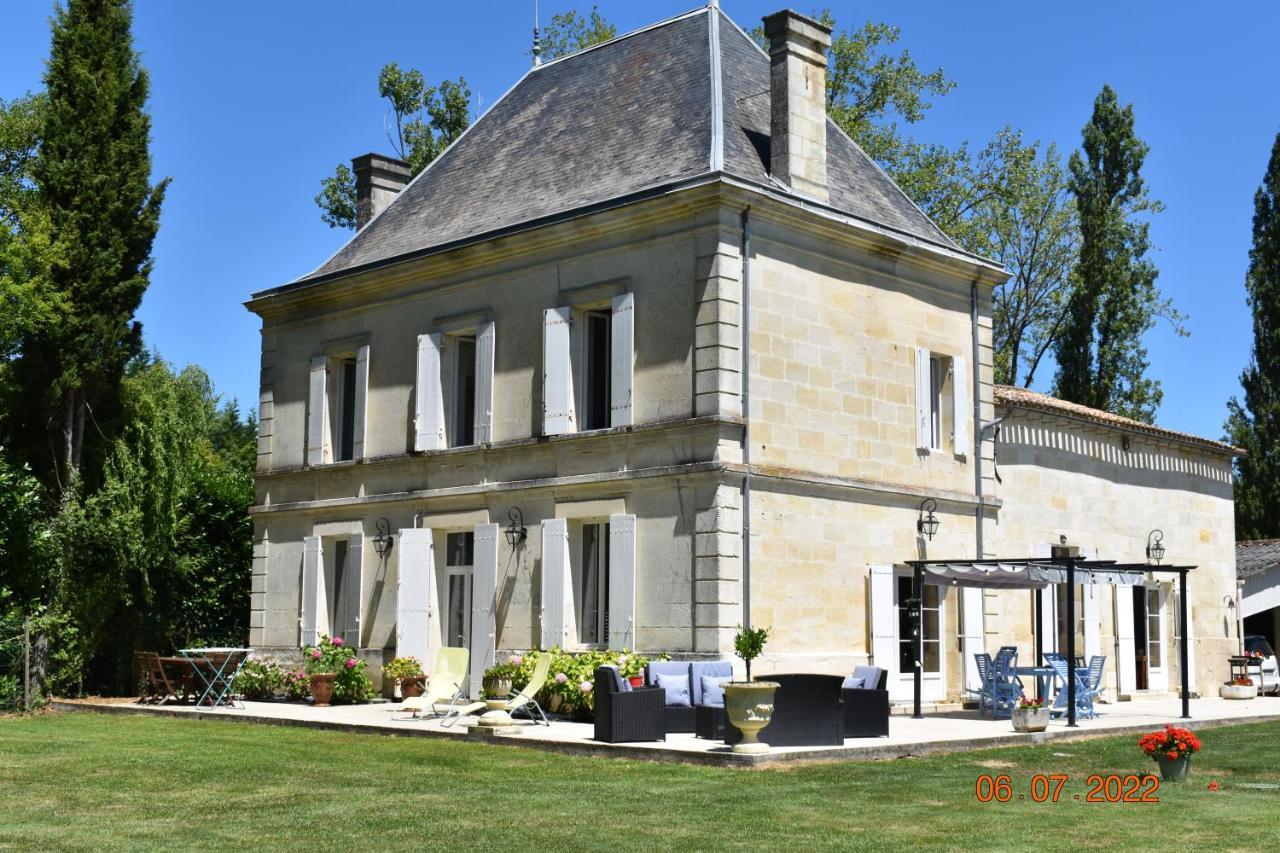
pixel 444 686
pixel 524 701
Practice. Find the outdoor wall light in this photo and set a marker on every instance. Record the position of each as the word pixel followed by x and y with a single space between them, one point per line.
pixel 927 523
pixel 383 541
pixel 1155 550
pixel 516 531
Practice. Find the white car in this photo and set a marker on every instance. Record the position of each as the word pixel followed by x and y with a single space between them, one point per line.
pixel 1255 644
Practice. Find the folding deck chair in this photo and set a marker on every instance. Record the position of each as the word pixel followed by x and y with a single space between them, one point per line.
pixel 445 686
pixel 523 702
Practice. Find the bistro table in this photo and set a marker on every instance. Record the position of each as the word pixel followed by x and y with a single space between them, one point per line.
pixel 217 667
pixel 1041 674
pixel 1241 664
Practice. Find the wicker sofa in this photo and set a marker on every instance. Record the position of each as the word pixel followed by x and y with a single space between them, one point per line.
pixel 684 718
pixel 807 711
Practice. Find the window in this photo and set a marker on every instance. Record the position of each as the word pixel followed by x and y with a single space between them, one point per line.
pixel 1155 636
pixel 597 349
pixel 459 558
pixel 931 623
pixel 937 376
pixel 591 585
pixel 342 583
pixel 336 399
pixel 345 410
pixel 464 392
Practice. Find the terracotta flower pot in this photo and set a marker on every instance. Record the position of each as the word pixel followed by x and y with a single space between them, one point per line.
pixel 637 680
pixel 412 685
pixel 749 706
pixel 1174 769
pixel 322 689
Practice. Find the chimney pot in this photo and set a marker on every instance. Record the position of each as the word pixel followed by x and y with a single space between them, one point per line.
pixel 378 180
pixel 798 101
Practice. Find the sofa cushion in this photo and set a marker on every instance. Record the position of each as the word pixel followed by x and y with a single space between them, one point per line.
pixel 620 684
pixel 871 677
pixel 677 687
pixel 713 690
pixel 667 667
pixel 851 683
pixel 697 669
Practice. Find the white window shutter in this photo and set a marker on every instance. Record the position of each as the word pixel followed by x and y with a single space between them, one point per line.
pixel 924 388
pixel 971 614
pixel 317 412
pixel 416 595
pixel 355 589
pixel 1049 619
pixel 429 396
pixel 622 359
pixel 313 598
pixel 484 583
pixel 1092 620
pixel 483 433
pixel 557 373
pixel 622 582
pixel 555 582
pixel 1190 640
pixel 361 402
pixel 1127 663
pixel 884 624
pixel 961 406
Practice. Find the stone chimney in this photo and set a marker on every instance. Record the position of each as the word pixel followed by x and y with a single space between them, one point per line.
pixel 798 101
pixel 378 180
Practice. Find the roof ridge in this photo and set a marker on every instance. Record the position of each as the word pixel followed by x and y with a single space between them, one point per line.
pixel 717 88
pixel 665 22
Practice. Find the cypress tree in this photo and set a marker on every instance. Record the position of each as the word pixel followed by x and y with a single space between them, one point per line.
pixel 1254 425
pixel 93 174
pixel 1114 300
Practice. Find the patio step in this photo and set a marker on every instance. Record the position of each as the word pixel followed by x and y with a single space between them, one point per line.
pixel 1149 696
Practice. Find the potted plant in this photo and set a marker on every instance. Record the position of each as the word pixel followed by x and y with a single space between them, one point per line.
pixel 1241 687
pixel 631 667
pixel 1030 715
pixel 334 670
pixel 408 672
pixel 497 680
pixel 1172 749
pixel 749 704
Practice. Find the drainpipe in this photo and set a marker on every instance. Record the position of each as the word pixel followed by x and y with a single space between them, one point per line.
pixel 978 429
pixel 746 417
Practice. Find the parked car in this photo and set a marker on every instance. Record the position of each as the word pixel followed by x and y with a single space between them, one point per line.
pixel 1255 644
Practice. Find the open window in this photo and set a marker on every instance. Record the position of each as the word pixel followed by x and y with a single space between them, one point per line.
pixel 336 406
pixel 588 365
pixel 454 389
pixel 589 582
pixel 332 588
pixel 944 406
pixel 590 572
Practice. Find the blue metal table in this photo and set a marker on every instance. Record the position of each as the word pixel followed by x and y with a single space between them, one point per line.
pixel 1041 674
pixel 217 667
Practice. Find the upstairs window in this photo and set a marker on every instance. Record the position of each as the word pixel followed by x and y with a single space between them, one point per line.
pixel 453 395
pixel 588 358
pixel 944 406
pixel 345 410
pixel 937 376
pixel 597 354
pixel 336 404
pixel 464 392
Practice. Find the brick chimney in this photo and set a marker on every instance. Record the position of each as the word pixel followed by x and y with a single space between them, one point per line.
pixel 798 101
pixel 378 180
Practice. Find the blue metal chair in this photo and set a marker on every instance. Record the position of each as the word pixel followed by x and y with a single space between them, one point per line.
pixel 986 690
pixel 1085 694
pixel 1006 687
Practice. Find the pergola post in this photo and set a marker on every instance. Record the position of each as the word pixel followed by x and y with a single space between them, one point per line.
pixel 1038 617
pixel 1182 646
pixel 917 626
pixel 1071 643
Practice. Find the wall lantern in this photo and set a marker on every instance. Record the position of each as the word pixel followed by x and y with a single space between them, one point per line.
pixel 516 532
pixel 1155 550
pixel 382 542
pixel 927 523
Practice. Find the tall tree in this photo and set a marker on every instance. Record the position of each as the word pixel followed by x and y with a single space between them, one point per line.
pixel 571 31
pixel 1114 301
pixel 1255 424
pixel 92 173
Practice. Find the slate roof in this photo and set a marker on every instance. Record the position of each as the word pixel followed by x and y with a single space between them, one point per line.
pixel 1256 556
pixel 1025 398
pixel 614 122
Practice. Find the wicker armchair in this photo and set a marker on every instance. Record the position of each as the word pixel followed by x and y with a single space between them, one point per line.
pixel 866 708
pixel 623 715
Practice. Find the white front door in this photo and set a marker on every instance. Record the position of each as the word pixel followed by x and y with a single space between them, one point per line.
pixel 458 559
pixel 933 675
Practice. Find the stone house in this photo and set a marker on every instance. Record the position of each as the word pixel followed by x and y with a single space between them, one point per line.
pixel 654 345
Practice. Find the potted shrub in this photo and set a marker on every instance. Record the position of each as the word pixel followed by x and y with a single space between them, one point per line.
pixel 1030 715
pixel 497 680
pixel 1172 749
pixel 1241 687
pixel 408 672
pixel 335 672
pixel 749 704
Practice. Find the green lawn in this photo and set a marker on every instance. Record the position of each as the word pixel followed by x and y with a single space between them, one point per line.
pixel 116 782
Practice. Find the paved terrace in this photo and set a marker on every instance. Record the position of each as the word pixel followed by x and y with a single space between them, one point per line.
pixel 940 732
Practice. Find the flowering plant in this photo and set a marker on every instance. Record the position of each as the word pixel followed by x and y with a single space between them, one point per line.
pixel 631 665
pixel 563 693
pixel 1242 681
pixel 297 684
pixel 1173 742
pixel 332 657
pixel 1027 704
pixel 502 671
pixel 402 668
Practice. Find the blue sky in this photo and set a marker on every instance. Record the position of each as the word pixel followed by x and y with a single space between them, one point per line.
pixel 253 102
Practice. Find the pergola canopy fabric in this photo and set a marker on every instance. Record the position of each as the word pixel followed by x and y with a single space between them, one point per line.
pixel 1023 575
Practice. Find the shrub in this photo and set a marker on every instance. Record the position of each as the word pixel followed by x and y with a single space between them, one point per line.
pixel 296 684
pixel 259 680
pixel 748 644
pixel 571 679
pixel 402 668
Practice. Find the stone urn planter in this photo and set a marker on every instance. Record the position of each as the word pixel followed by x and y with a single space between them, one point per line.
pixel 1030 719
pixel 1238 691
pixel 1174 769
pixel 749 706
pixel 322 689
pixel 496 688
pixel 412 686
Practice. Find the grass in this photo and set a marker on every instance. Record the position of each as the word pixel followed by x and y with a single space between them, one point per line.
pixel 89 781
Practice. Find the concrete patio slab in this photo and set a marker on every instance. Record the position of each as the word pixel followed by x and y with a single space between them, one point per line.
pixel 936 733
